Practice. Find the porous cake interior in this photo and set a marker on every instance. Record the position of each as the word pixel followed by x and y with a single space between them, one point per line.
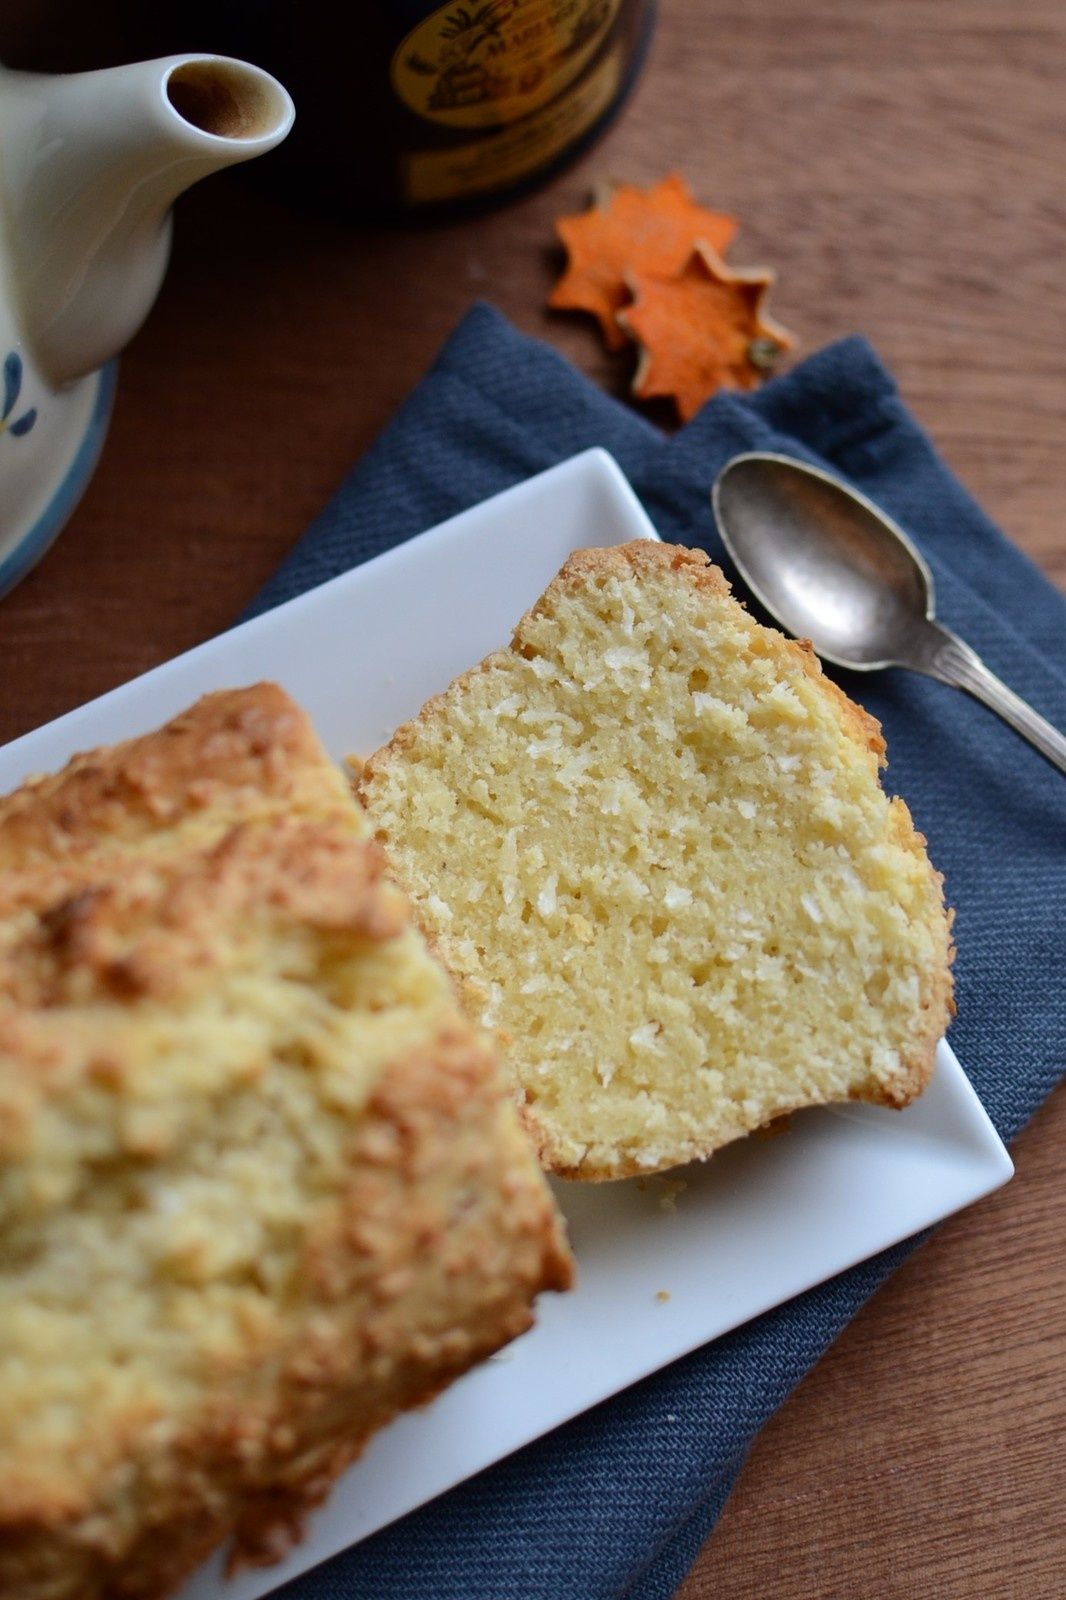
pixel 650 840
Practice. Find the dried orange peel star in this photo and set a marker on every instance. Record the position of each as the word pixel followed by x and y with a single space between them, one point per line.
pixel 702 330
pixel 631 230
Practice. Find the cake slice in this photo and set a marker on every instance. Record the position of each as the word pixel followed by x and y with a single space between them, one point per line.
pixel 262 1185
pixel 650 842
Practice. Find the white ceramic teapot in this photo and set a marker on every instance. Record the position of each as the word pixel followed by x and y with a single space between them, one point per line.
pixel 90 165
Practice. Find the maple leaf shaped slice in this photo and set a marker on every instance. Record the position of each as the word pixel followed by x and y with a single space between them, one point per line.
pixel 701 331
pixel 627 229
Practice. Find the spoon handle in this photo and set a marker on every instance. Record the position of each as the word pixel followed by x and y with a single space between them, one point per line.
pixel 952 661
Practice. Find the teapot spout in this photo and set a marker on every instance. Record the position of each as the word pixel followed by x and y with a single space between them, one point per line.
pixel 92 164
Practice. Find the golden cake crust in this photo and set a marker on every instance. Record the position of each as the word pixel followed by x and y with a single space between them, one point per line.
pixel 261 1186
pixel 239 752
pixel 253 1466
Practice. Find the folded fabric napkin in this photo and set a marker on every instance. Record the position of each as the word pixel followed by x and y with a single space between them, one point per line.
pixel 618 1502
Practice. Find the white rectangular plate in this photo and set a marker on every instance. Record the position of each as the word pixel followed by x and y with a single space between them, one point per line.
pixel 761 1222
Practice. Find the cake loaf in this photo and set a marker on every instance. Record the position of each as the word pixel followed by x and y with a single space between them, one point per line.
pixel 262 1185
pixel 650 841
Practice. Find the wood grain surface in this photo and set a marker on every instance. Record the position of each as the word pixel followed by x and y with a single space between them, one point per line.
pixel 901 163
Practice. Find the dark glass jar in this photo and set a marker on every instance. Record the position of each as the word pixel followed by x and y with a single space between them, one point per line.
pixel 412 106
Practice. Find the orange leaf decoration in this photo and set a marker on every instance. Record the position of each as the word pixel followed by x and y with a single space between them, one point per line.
pixel 631 230
pixel 701 331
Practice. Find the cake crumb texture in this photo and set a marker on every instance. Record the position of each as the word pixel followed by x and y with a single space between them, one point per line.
pixel 262 1185
pixel 650 841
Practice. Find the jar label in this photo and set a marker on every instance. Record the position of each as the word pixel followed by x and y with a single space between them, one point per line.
pixel 486 164
pixel 484 63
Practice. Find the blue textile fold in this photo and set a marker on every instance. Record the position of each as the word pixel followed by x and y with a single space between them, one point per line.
pixel 616 1503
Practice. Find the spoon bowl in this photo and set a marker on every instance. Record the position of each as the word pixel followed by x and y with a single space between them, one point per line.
pixel 831 567
pixel 822 559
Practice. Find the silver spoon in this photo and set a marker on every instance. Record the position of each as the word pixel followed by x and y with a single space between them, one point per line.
pixel 834 569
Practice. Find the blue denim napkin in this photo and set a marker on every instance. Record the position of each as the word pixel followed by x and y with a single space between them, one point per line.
pixel 617 1502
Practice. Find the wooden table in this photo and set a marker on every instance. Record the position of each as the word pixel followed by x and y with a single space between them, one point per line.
pixel 901 165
